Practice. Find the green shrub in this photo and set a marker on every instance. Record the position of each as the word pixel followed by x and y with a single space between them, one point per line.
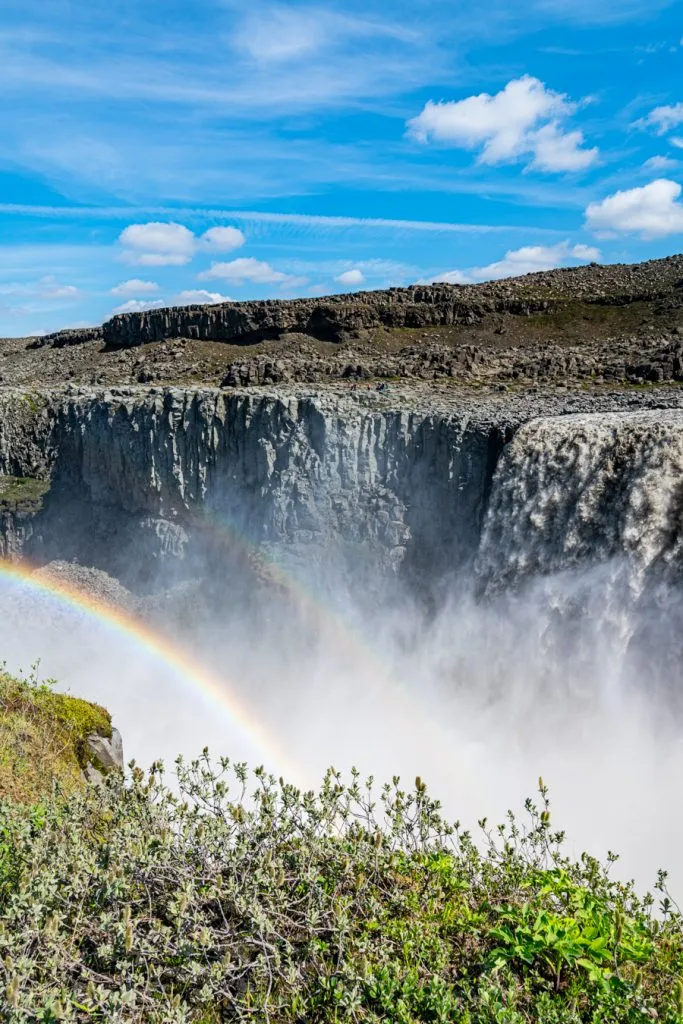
pixel 239 898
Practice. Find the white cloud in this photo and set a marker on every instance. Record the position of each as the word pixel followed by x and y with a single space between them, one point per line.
pixel 555 150
pixel 222 239
pixel 663 119
pixel 450 277
pixel 508 126
pixel 351 277
pixel 135 287
pixel 199 296
pixel 47 288
pixel 660 163
pixel 586 252
pixel 157 244
pixel 587 12
pixel 245 269
pixel 325 223
pixel 280 33
pixel 676 141
pixel 527 260
pixel 652 211
pixel 138 305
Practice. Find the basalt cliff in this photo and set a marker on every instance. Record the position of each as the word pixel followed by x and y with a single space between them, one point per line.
pixel 512 427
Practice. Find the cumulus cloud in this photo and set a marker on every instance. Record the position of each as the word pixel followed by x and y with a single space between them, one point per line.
pixel 652 211
pixel 555 150
pixel 676 141
pixel 585 252
pixel 663 119
pixel 135 287
pixel 660 163
pixel 169 244
pixel 351 277
pixel 521 120
pixel 138 305
pixel 199 296
pixel 527 260
pixel 222 239
pixel 245 269
pixel 157 244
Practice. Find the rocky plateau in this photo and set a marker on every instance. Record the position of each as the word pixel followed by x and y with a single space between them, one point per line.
pixel 356 430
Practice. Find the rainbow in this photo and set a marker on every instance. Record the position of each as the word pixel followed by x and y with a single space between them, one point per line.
pixel 344 637
pixel 187 667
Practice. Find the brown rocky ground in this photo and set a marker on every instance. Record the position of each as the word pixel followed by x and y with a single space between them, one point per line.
pixel 585 326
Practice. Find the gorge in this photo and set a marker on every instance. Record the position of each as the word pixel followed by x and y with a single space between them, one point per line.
pixel 475 578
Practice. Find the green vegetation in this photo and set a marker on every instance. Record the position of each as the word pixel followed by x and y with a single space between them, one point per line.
pixel 238 898
pixel 22 493
pixel 43 738
pixel 34 402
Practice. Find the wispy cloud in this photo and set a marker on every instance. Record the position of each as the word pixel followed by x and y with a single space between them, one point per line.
pixel 48 288
pixel 661 163
pixel 278 33
pixel 663 118
pixel 322 221
pixel 609 12
pixel 134 287
pixel 191 70
pixel 243 270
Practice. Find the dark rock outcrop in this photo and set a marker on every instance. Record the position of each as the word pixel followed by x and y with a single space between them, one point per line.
pixel 73 336
pixel 421 306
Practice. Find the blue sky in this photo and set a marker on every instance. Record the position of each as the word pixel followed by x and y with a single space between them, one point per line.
pixel 163 152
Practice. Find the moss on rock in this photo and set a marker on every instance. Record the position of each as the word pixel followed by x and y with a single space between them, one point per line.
pixel 22 493
pixel 43 738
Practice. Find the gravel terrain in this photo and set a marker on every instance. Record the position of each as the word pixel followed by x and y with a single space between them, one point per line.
pixel 590 327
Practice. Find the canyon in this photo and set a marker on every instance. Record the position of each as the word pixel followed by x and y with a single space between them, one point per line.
pixel 460 557
pixel 374 431
pixel 412 482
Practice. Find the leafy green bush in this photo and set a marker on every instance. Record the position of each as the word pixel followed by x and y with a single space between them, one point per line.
pixel 239 898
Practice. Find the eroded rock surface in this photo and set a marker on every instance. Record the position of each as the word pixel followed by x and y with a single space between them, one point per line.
pixel 420 306
pixel 190 482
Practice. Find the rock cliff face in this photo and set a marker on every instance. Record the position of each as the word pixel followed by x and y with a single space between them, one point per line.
pixel 142 479
pixel 328 319
pixel 438 305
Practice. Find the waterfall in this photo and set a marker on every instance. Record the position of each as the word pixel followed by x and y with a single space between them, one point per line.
pixel 585 512
pixel 573 490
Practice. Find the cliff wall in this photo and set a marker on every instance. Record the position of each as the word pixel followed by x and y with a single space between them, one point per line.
pixel 139 479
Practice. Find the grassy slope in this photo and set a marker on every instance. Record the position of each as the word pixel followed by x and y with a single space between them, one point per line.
pixel 22 493
pixel 43 738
